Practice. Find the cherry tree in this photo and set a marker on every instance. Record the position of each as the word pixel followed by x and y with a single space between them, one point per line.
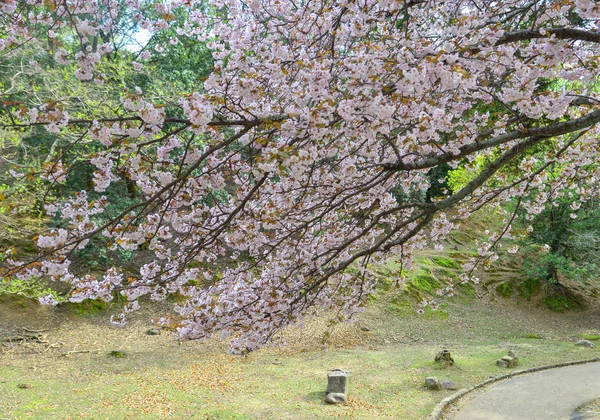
pixel 267 192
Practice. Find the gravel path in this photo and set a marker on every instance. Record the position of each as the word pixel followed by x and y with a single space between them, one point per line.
pixel 549 394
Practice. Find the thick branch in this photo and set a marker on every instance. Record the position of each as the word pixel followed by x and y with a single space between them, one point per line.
pixel 214 123
pixel 557 33
pixel 548 131
pixel 489 170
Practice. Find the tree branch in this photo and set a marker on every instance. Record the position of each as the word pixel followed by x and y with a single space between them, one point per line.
pixel 552 130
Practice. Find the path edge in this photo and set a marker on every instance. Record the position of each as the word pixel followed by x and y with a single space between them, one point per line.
pixel 441 407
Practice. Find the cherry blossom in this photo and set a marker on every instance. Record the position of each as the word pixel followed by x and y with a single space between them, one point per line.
pixel 274 194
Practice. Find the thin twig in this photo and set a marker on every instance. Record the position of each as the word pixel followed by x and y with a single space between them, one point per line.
pixel 68 353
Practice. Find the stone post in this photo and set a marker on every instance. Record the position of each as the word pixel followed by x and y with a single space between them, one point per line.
pixel 337 380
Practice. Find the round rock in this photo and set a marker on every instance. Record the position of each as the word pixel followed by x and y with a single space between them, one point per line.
pixel 433 383
pixel 585 343
pixel 447 384
pixel 336 398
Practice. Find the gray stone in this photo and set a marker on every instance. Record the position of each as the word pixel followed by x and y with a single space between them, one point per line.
pixel 153 331
pixel 444 357
pixel 506 362
pixel 447 384
pixel 337 380
pixel 433 383
pixel 509 360
pixel 585 343
pixel 336 398
pixel 585 416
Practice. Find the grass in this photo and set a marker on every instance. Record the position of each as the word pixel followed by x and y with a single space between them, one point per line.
pixel 429 274
pixel 591 337
pixel 161 378
pixel 446 262
pixel 504 289
pixel 528 288
pixel 385 383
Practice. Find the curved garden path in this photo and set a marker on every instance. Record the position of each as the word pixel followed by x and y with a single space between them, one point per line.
pixel 547 394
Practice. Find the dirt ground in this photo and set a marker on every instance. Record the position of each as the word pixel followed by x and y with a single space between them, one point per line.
pixel 28 329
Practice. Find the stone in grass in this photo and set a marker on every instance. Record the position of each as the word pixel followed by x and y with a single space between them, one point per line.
pixel 444 357
pixel 337 380
pixel 447 384
pixel 433 383
pixel 506 362
pixel 336 398
pixel 585 343
pixel 118 353
pixel 514 356
pixel 501 363
pixel 153 331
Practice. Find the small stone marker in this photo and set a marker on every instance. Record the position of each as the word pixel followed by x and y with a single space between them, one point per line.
pixel 444 357
pixel 506 362
pixel 585 343
pixel 447 384
pixel 433 383
pixel 337 381
pixel 336 398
